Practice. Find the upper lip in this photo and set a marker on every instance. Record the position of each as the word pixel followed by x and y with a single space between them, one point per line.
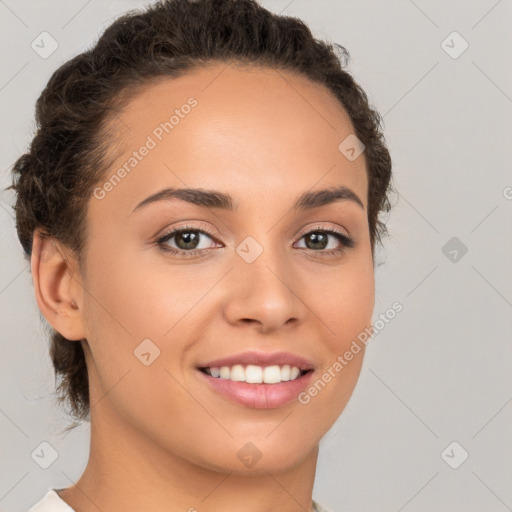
pixel 261 359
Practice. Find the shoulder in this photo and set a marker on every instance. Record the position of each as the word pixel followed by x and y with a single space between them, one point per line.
pixel 51 502
pixel 318 508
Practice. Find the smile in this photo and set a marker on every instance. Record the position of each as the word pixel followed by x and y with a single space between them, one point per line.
pixel 260 394
pixel 254 374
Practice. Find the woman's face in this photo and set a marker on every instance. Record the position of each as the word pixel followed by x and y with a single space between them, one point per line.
pixel 247 280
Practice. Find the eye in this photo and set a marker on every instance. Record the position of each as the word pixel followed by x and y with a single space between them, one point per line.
pixel 189 241
pixel 317 240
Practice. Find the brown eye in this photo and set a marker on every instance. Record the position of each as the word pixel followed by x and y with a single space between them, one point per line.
pixel 185 241
pixel 319 240
pixel 316 240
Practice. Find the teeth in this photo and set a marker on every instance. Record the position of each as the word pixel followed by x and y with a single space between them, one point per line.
pixel 256 374
pixel 253 374
pixel 271 374
pixel 237 372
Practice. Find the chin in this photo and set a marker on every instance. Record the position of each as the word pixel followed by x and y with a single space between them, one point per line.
pixel 259 456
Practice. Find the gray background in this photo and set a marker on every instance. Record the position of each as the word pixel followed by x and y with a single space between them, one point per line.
pixel 440 371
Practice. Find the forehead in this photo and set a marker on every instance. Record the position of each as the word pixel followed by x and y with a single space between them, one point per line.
pixel 246 126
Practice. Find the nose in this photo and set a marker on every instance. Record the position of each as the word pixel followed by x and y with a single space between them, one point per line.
pixel 264 294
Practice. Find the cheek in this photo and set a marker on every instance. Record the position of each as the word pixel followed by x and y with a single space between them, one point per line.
pixel 346 305
pixel 133 309
pixel 128 310
pixel 128 298
pixel 347 310
pixel 351 311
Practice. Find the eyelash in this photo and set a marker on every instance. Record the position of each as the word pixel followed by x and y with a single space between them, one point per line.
pixel 346 241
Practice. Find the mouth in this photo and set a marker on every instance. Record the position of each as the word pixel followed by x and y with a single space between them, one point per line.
pixel 255 386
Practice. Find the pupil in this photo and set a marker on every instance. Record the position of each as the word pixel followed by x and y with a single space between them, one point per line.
pixel 315 237
pixel 188 238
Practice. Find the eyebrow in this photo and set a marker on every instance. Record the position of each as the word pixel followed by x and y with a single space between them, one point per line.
pixel 221 200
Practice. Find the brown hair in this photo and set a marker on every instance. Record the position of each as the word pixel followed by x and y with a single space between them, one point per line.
pixel 72 148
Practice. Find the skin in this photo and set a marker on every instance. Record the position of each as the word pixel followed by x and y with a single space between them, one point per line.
pixel 162 440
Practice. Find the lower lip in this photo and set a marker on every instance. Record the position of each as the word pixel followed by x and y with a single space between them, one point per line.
pixel 259 396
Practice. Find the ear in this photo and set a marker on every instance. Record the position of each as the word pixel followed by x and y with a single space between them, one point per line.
pixel 58 286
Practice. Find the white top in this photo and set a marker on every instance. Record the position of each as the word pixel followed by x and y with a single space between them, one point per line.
pixel 52 502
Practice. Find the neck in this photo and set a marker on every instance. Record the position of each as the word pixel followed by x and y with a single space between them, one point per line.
pixel 128 471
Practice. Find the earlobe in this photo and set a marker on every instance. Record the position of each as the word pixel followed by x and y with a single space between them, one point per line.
pixel 57 286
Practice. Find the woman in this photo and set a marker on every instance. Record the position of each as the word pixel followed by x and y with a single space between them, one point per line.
pixel 200 206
